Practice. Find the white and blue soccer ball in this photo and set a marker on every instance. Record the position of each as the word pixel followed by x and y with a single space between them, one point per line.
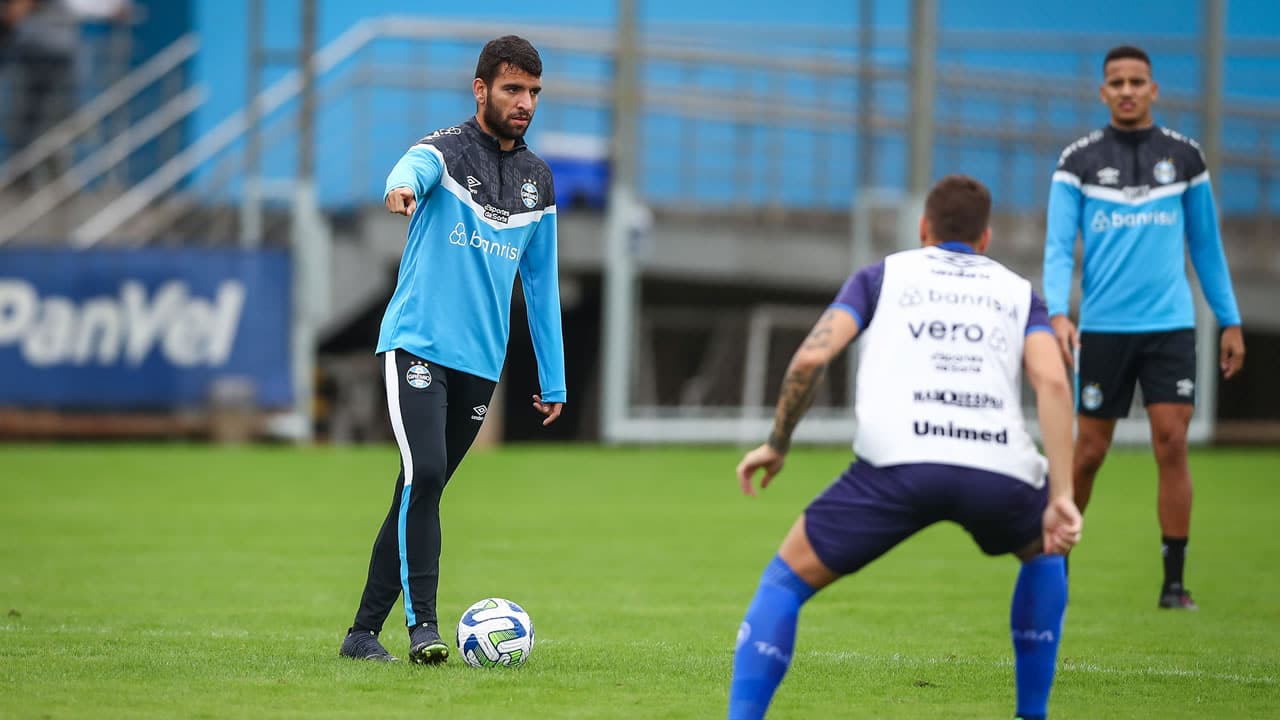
pixel 495 632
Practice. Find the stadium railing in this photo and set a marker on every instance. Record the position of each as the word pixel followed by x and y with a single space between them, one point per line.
pixel 94 144
pixel 721 125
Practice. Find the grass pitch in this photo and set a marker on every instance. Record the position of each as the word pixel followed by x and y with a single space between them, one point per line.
pixel 174 581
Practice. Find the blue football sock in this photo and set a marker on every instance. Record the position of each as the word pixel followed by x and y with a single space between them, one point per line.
pixel 766 640
pixel 1039 602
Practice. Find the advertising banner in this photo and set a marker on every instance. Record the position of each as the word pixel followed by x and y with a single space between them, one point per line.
pixel 139 329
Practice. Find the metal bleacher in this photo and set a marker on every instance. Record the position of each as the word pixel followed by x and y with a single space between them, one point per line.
pixel 760 143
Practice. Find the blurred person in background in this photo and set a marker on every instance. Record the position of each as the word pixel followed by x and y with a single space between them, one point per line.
pixel 12 13
pixel 1139 196
pixel 46 49
pixel 481 207
pixel 948 335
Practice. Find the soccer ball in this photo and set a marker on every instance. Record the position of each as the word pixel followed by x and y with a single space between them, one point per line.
pixel 495 632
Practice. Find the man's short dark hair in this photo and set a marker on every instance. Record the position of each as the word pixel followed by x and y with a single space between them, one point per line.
pixel 510 50
pixel 958 208
pixel 1125 52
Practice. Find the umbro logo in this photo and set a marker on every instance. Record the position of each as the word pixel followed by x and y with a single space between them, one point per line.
pixel 480 411
pixel 962 265
pixel 961 260
pixel 472 183
pixel 1108 176
pixel 1185 386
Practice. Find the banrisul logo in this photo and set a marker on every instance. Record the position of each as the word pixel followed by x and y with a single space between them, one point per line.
pixel 489 247
pixel 186 329
pixel 1103 222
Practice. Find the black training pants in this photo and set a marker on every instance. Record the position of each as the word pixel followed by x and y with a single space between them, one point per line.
pixel 435 414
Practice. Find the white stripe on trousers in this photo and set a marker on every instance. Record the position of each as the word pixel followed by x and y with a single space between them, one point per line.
pixel 406 458
pixel 397 420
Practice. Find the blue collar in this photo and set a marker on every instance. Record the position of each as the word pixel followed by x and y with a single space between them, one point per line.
pixel 957 246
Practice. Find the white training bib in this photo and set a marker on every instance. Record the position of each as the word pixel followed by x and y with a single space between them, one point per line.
pixel 940 369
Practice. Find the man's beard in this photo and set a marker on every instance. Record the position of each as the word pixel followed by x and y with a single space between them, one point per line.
pixel 500 126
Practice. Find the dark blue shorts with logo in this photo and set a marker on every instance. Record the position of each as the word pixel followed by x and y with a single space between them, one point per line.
pixel 870 509
pixel 1162 363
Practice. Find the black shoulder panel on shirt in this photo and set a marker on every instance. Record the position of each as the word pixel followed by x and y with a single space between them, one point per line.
pixel 443 138
pixel 1186 150
pixel 1133 162
pixel 1069 160
pixel 503 183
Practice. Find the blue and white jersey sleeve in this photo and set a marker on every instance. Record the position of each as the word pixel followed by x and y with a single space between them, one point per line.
pixel 1038 316
pixel 538 276
pixel 861 293
pixel 1062 224
pixel 419 169
pixel 1204 243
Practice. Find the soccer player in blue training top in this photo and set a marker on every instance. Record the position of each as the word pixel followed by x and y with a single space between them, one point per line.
pixel 481 208
pixel 1139 196
pixel 947 334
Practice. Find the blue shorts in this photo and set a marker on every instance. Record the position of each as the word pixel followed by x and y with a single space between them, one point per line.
pixel 870 509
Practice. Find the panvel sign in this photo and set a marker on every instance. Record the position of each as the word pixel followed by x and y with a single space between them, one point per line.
pixel 141 329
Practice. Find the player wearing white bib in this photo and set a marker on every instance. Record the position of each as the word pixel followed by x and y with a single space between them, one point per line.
pixel 947 335
pixel 943 361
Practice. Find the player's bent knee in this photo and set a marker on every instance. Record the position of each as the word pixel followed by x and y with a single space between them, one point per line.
pixel 430 472
pixel 1170 450
pixel 1030 551
pixel 1172 438
pixel 1169 441
pixel 1090 454
pixel 798 553
pixel 1093 442
pixel 1169 424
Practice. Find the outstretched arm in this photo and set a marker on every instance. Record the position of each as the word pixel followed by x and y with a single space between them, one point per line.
pixel 1047 376
pixel 829 337
pixel 417 172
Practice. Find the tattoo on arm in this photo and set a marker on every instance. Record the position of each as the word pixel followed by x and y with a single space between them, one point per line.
pixel 799 387
pixel 798 390
pixel 820 336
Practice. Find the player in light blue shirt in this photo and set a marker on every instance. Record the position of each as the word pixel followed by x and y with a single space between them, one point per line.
pixel 481 210
pixel 1139 196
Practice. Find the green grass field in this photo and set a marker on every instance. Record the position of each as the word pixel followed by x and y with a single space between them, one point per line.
pixel 174 581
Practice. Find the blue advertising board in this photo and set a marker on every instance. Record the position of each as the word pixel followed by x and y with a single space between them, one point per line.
pixel 137 329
